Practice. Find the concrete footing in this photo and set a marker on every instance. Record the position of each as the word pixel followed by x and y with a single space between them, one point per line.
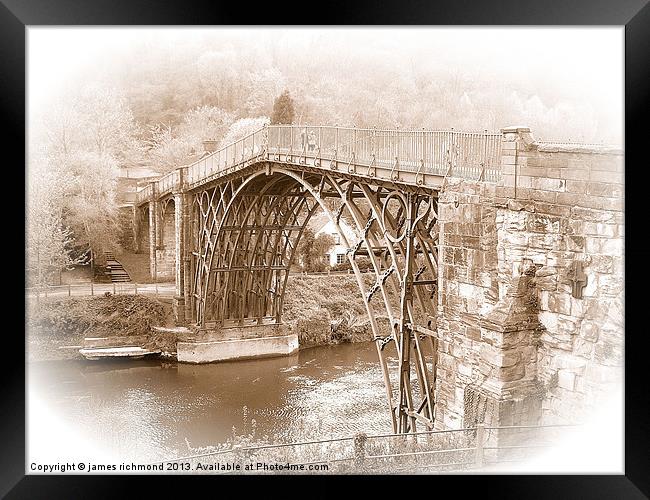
pixel 232 349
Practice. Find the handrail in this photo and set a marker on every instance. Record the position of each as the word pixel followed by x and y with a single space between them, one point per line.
pixel 246 449
pixel 441 152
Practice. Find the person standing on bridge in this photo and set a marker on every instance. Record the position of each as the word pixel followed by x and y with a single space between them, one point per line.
pixel 311 141
pixel 303 137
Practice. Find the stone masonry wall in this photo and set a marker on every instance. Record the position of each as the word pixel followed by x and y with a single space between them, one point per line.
pixel 468 268
pixel 127 228
pixel 566 206
pixel 166 252
pixel 142 231
pixel 507 356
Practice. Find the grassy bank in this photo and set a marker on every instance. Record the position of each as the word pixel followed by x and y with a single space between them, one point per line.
pixel 330 310
pixel 58 323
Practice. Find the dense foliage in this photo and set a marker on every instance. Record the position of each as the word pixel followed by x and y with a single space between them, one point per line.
pixel 312 249
pixel 283 112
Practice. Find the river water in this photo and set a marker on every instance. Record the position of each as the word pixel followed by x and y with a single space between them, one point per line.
pixel 152 410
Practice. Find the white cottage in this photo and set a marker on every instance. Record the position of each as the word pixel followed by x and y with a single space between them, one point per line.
pixel 321 224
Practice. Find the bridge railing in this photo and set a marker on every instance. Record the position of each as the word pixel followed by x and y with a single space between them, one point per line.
pixel 145 193
pixel 473 155
pixel 166 289
pixel 228 156
pixel 167 182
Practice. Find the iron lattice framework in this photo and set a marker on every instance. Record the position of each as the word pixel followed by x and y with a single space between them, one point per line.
pixel 243 237
pixel 248 203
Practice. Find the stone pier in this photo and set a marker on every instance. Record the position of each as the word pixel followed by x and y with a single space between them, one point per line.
pixel 531 295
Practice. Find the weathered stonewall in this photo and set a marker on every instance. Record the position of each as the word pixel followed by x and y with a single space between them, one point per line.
pixel 531 296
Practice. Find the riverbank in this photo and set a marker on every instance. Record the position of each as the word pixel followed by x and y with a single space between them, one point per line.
pixel 56 327
pixel 322 310
pixel 325 310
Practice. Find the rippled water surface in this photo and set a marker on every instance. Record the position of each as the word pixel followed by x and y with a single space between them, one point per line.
pixel 149 409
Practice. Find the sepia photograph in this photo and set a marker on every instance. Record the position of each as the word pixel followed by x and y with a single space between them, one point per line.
pixel 324 250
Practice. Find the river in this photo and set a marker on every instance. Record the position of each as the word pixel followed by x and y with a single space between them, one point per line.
pixel 154 410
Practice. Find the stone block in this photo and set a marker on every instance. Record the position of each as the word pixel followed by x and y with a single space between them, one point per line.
pixel 446 361
pixel 544 241
pixel 575 174
pixel 515 239
pixel 576 186
pixel 557 339
pixel 566 380
pixel 470 242
pixel 605 177
pixel 606 230
pixel 543 223
pixel 532 171
pixel 599 229
pixel 559 259
pixel 589 331
pixel 497 357
pixel 465 370
pixel 567 324
pixel 614 204
pixel 543 196
pixel 576 227
pixel 452 421
pixel 469 291
pixel 508 159
pixel 546 184
pixel 575 243
pixel 515 221
pixel 595 309
pixel 604 189
pixel 577 307
pixel 593 245
pixel 610 285
pixel 576 161
pixel 537 256
pixel 460 257
pixel 524 181
pixel 608 353
pixel 583 348
pixel 612 246
pixel 524 193
pixel 602 263
pixel 589 214
pixel 543 299
pixel 599 374
pixel 473 333
pixel 557 209
pixel 504 191
pixel 511 373
pixel 508 180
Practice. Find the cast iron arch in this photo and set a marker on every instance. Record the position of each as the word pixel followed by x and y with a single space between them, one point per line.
pixel 244 237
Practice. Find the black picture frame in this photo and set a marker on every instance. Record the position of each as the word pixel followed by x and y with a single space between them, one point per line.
pixel 16 15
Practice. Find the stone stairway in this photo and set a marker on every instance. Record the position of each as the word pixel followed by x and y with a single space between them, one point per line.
pixel 115 270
